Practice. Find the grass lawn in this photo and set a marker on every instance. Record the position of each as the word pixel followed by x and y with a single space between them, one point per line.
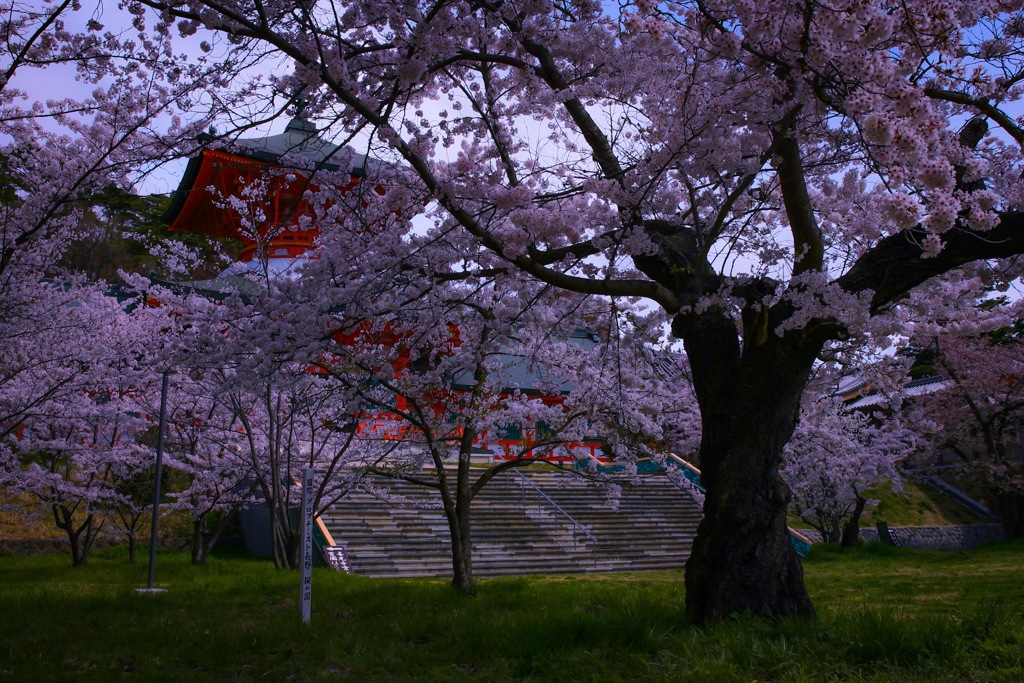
pixel 884 615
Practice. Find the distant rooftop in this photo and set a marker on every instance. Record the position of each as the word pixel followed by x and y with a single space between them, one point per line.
pixel 302 138
pixel 918 387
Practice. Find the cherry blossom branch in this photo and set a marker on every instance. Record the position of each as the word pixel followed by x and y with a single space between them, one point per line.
pixel 983 105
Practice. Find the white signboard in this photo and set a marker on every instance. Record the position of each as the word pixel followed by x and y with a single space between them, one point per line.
pixel 337 559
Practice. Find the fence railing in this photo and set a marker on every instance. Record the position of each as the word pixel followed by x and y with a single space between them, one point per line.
pixel 555 505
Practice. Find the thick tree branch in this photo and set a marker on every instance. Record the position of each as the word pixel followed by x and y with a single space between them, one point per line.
pixel 808 249
pixel 578 250
pixel 983 106
pixel 896 264
pixel 604 155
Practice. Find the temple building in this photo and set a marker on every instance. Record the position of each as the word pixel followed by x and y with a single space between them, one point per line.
pixel 215 197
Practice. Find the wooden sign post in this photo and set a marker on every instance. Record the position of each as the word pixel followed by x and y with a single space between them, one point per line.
pixel 306 591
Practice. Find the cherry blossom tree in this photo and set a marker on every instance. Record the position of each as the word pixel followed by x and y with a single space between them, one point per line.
pixel 134 505
pixel 206 453
pixel 289 423
pixel 835 458
pixel 249 413
pixel 978 417
pixel 501 367
pixel 776 177
pixel 73 440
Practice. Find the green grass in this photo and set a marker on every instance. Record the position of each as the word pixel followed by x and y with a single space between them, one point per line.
pixel 918 505
pixel 884 615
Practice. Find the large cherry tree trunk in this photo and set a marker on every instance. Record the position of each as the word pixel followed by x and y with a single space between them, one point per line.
pixel 749 394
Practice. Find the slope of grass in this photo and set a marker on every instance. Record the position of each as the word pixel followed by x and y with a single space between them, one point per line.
pixel 884 615
pixel 24 518
pixel 917 505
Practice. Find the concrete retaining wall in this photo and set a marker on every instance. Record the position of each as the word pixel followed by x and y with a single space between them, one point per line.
pixel 964 537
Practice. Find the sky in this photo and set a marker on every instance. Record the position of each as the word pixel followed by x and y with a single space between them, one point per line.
pixel 59 82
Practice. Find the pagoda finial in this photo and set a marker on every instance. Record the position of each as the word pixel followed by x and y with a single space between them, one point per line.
pixel 299 123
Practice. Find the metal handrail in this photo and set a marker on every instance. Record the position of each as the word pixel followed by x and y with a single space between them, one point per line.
pixel 689 470
pixel 959 496
pixel 555 505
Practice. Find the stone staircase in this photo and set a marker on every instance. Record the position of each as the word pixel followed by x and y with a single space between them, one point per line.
pixel 516 530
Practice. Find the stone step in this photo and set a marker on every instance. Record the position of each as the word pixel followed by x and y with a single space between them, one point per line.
pixel 515 530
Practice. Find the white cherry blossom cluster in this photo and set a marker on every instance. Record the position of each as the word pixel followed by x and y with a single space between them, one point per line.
pixel 931 245
pixel 935 173
pixel 905 210
pixel 943 208
pixel 878 129
pixel 636 24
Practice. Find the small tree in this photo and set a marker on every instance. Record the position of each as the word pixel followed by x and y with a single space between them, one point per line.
pixel 272 427
pixel 206 452
pixel 463 366
pixel 259 414
pixel 834 458
pixel 134 506
pixel 979 415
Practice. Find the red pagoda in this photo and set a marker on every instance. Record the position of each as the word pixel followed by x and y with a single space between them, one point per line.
pixel 280 235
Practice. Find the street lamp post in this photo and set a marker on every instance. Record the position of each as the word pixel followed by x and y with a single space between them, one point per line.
pixel 156 486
